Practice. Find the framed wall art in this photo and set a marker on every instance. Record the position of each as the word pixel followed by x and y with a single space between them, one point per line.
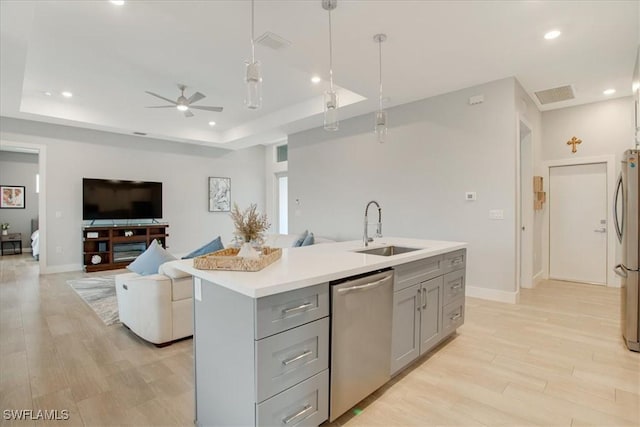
pixel 219 194
pixel 12 197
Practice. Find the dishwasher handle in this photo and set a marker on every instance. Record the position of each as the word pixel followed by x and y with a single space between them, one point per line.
pixel 364 287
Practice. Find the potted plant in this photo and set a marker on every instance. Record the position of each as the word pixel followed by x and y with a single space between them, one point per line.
pixel 5 228
pixel 249 226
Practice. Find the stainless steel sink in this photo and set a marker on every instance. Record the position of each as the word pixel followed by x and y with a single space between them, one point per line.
pixel 387 250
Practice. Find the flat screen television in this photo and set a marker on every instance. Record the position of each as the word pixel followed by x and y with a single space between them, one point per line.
pixel 116 199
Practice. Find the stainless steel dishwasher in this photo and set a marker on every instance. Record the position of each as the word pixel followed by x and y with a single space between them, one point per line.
pixel 361 315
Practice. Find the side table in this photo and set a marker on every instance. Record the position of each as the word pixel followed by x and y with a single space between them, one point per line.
pixel 12 241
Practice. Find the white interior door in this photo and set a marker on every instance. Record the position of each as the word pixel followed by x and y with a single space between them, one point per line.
pixel 578 223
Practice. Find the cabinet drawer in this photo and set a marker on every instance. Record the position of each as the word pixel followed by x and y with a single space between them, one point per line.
pixel 289 357
pixel 415 272
pixel 455 260
pixel 306 404
pixel 277 313
pixel 452 317
pixel 454 285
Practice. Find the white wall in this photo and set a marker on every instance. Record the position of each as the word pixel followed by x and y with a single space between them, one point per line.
pixel 74 153
pixel 20 169
pixel 605 128
pixel 438 149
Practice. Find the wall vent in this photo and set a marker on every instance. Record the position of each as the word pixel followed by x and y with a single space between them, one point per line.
pixel 557 94
pixel 273 41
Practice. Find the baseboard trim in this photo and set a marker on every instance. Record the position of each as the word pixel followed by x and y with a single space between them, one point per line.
pixel 537 278
pixel 61 268
pixel 493 294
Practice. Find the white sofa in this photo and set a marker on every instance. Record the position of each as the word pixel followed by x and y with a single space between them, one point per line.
pixel 157 307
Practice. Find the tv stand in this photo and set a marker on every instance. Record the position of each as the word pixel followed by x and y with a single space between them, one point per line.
pixel 118 245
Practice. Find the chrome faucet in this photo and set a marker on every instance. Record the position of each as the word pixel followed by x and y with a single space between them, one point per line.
pixel 366 237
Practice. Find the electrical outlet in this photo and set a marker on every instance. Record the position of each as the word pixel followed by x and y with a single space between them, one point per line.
pixel 58 249
pixel 470 195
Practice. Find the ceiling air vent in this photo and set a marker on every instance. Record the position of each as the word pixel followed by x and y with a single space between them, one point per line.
pixel 557 94
pixel 273 41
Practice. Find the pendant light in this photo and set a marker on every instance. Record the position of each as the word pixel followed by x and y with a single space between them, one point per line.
pixel 330 96
pixel 253 76
pixel 381 115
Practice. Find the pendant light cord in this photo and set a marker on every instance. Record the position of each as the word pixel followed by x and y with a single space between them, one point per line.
pixel 253 47
pixel 330 55
pixel 380 55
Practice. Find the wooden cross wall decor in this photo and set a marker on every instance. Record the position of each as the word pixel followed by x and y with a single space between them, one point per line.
pixel 574 141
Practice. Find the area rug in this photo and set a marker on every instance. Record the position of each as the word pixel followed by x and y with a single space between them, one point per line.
pixel 99 293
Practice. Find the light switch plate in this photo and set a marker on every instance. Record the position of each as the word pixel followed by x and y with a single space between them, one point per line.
pixel 496 214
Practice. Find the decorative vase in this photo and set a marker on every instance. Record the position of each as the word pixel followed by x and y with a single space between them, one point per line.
pixel 248 251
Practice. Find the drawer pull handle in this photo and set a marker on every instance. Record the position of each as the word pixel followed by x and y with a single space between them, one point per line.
pixel 419 299
pixel 298 357
pixel 457 261
pixel 458 286
pixel 290 418
pixel 298 308
pixel 456 317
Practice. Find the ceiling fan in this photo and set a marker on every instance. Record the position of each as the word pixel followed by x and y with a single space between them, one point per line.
pixel 184 104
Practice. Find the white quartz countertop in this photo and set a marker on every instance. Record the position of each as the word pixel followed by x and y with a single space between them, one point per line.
pixel 311 265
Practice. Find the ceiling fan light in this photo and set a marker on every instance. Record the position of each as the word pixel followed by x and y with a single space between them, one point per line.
pixel 253 83
pixel 182 107
pixel 331 104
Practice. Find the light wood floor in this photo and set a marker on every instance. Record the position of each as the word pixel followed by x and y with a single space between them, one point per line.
pixel 554 359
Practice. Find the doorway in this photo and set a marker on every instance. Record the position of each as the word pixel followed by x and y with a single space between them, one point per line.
pixel 578 223
pixel 35 220
pixel 525 218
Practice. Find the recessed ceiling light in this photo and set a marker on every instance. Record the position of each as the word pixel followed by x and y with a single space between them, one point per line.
pixel 212 123
pixel 315 80
pixel 609 91
pixel 552 35
pixel 117 2
pixel 47 93
pixel 67 94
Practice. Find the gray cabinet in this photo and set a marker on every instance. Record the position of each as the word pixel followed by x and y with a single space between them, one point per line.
pixel 430 314
pixel 261 361
pixel 428 305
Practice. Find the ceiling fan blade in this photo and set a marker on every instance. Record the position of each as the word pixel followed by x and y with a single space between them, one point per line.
pixel 161 97
pixel 188 114
pixel 218 109
pixel 195 97
pixel 163 106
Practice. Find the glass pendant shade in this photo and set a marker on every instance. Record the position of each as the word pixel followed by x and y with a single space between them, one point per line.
pixel 381 126
pixel 253 83
pixel 330 110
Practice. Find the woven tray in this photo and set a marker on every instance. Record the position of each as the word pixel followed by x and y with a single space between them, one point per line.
pixel 226 259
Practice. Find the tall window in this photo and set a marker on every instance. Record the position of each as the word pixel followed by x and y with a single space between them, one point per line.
pixel 283 205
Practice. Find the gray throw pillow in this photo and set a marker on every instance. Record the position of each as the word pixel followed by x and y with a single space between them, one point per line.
pixel 150 260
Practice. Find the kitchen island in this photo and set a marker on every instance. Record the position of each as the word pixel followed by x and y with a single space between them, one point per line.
pixel 262 339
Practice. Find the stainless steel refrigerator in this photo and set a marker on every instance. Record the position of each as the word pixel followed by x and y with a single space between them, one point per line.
pixel 627 220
